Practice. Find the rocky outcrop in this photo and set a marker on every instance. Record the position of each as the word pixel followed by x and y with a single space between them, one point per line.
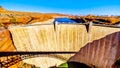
pixel 5 40
pixel 101 53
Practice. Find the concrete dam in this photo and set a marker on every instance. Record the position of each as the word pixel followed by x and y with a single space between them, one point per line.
pixel 66 38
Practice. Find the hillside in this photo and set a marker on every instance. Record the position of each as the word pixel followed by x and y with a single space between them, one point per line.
pixel 15 17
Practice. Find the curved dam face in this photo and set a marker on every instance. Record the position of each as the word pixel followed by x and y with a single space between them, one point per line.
pixel 59 38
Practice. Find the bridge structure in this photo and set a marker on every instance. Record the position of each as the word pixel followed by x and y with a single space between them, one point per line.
pixel 15 57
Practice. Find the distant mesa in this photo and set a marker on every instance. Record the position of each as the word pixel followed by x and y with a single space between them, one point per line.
pixel 0 6
pixel 1 9
pixel 9 17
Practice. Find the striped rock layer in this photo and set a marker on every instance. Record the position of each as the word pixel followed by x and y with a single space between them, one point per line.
pixel 102 52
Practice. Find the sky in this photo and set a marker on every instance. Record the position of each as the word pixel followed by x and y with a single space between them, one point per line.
pixel 73 7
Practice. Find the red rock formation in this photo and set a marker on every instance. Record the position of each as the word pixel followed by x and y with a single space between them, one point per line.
pixel 6 45
pixel 100 53
pixel 5 40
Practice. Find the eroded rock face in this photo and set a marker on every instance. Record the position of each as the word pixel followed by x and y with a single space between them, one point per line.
pixel 5 40
pixel 6 45
pixel 101 53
